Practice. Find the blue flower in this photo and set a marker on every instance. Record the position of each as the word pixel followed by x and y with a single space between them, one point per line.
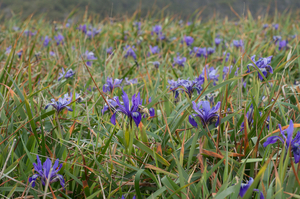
pixel 179 61
pixel 263 65
pixel 89 56
pixel 245 187
pixel 265 26
pixel 188 40
pixel 29 33
pixel 70 73
pixel 218 41
pixel 52 54
pixel 137 24
pixel 249 116
pixel 61 104
pixel 129 51
pixel 43 172
pixel 46 41
pixel 112 104
pixel 8 50
pixel 109 50
pixel 206 114
pixel 156 64
pixel 173 87
pixel 153 50
pixel 199 52
pixel 238 43
pixel 130 81
pixel 211 74
pixel 111 84
pixel 287 138
pixel 59 39
pixel 189 87
pixel 157 29
pixel 282 44
pixel 130 111
pixel 93 32
pixel 276 26
pixel 82 28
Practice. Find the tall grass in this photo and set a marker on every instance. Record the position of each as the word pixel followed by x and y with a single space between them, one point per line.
pixel 165 157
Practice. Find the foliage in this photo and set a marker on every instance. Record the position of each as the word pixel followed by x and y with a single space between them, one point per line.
pixel 164 156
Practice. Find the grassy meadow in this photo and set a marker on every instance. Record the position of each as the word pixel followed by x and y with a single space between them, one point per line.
pixel 150 108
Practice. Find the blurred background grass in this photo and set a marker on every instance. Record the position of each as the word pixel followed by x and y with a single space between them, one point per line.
pixel 59 9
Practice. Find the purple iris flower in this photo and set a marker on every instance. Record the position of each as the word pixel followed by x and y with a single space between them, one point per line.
pixel 82 28
pixel 129 51
pixel 52 54
pixel 93 32
pixel 153 50
pixel 244 188
pixel 188 40
pixel 265 26
pixel 282 44
pixel 156 64
pixel 112 103
pixel 189 87
pixel 211 74
pixel 238 43
pixel 218 41
pixel 249 117
pixel 43 172
pixel 276 26
pixel 130 81
pixel 199 52
pixel 89 56
pixel 277 38
pixel 70 73
pixel 8 50
pixel 263 64
pixel 123 197
pixel 288 139
pixel 109 50
pixel 137 24
pixel 173 87
pixel 46 41
pixel 179 61
pixel 157 29
pixel 29 33
pixel 130 111
pixel 111 84
pixel 227 70
pixel 59 39
pixel 19 53
pixel 206 114
pixel 61 104
pixel 210 50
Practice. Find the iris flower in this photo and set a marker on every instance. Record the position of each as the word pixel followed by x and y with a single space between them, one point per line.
pixel 70 73
pixel 288 139
pixel 218 41
pixel 153 50
pixel 43 172
pixel 206 114
pixel 59 39
pixel 188 40
pixel 189 87
pixel 238 43
pixel 130 81
pixel 263 64
pixel 111 84
pixel 179 61
pixel 46 41
pixel 61 104
pixel 156 64
pixel 199 52
pixel 130 111
pixel 245 186
pixel 129 51
pixel 89 56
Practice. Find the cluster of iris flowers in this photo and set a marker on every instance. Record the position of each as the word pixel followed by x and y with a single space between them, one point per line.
pixel 203 110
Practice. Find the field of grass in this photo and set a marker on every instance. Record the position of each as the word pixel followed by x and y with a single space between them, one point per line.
pixel 153 108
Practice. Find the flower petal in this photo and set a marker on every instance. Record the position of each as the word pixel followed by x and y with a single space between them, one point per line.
pixel 272 140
